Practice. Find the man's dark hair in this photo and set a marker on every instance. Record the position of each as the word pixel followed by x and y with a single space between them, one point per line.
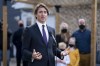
pixel 39 6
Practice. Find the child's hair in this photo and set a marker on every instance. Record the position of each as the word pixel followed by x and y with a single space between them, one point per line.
pixel 61 44
pixel 74 40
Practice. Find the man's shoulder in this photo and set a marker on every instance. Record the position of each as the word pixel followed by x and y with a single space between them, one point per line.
pixel 88 30
pixel 30 27
pixel 50 28
pixel 27 29
pixel 75 33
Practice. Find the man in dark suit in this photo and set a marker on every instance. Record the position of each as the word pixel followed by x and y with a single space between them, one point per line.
pixel 38 44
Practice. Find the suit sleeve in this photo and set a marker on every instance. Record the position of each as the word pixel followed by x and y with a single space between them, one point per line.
pixel 14 38
pixel 26 39
pixel 58 38
pixel 56 51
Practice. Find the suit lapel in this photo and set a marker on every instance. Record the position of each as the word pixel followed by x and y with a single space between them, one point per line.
pixel 49 32
pixel 37 30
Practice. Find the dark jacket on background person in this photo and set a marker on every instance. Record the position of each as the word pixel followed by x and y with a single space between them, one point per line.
pixel 8 39
pixel 83 40
pixel 17 40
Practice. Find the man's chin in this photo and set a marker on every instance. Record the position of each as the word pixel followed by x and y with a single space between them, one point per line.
pixel 43 21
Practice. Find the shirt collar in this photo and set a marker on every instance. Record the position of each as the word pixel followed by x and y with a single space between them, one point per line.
pixel 40 24
pixel 83 30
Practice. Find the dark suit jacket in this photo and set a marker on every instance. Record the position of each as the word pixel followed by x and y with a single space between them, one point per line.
pixel 32 39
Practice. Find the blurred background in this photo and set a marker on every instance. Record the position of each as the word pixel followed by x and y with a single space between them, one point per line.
pixel 68 11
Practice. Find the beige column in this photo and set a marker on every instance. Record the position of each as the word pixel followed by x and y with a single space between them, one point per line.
pixel 57 7
pixel 93 34
pixel 4 35
pixel 57 22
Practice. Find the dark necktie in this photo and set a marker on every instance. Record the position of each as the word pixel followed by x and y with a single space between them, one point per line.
pixel 44 34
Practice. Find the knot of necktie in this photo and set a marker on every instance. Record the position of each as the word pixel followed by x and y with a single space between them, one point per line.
pixel 43 26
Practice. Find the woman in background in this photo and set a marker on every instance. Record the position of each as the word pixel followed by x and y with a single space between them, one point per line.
pixel 64 34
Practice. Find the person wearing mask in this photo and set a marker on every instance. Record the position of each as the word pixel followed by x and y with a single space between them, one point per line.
pixel 73 52
pixel 64 33
pixel 62 46
pixel 1 44
pixel 38 43
pixel 83 42
pixel 17 41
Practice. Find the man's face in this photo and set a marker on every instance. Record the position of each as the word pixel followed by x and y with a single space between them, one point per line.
pixel 81 24
pixel 41 15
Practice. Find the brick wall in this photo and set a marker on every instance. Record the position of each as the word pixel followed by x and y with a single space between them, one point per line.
pixel 72 14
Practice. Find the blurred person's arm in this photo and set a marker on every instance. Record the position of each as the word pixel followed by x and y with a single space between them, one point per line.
pixel 26 38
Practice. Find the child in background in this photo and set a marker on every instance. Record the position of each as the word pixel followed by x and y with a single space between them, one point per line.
pixel 73 52
pixel 66 60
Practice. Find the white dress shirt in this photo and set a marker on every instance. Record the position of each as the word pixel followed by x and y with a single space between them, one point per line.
pixel 45 28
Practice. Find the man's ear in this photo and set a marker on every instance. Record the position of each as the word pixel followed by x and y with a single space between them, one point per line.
pixel 36 16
